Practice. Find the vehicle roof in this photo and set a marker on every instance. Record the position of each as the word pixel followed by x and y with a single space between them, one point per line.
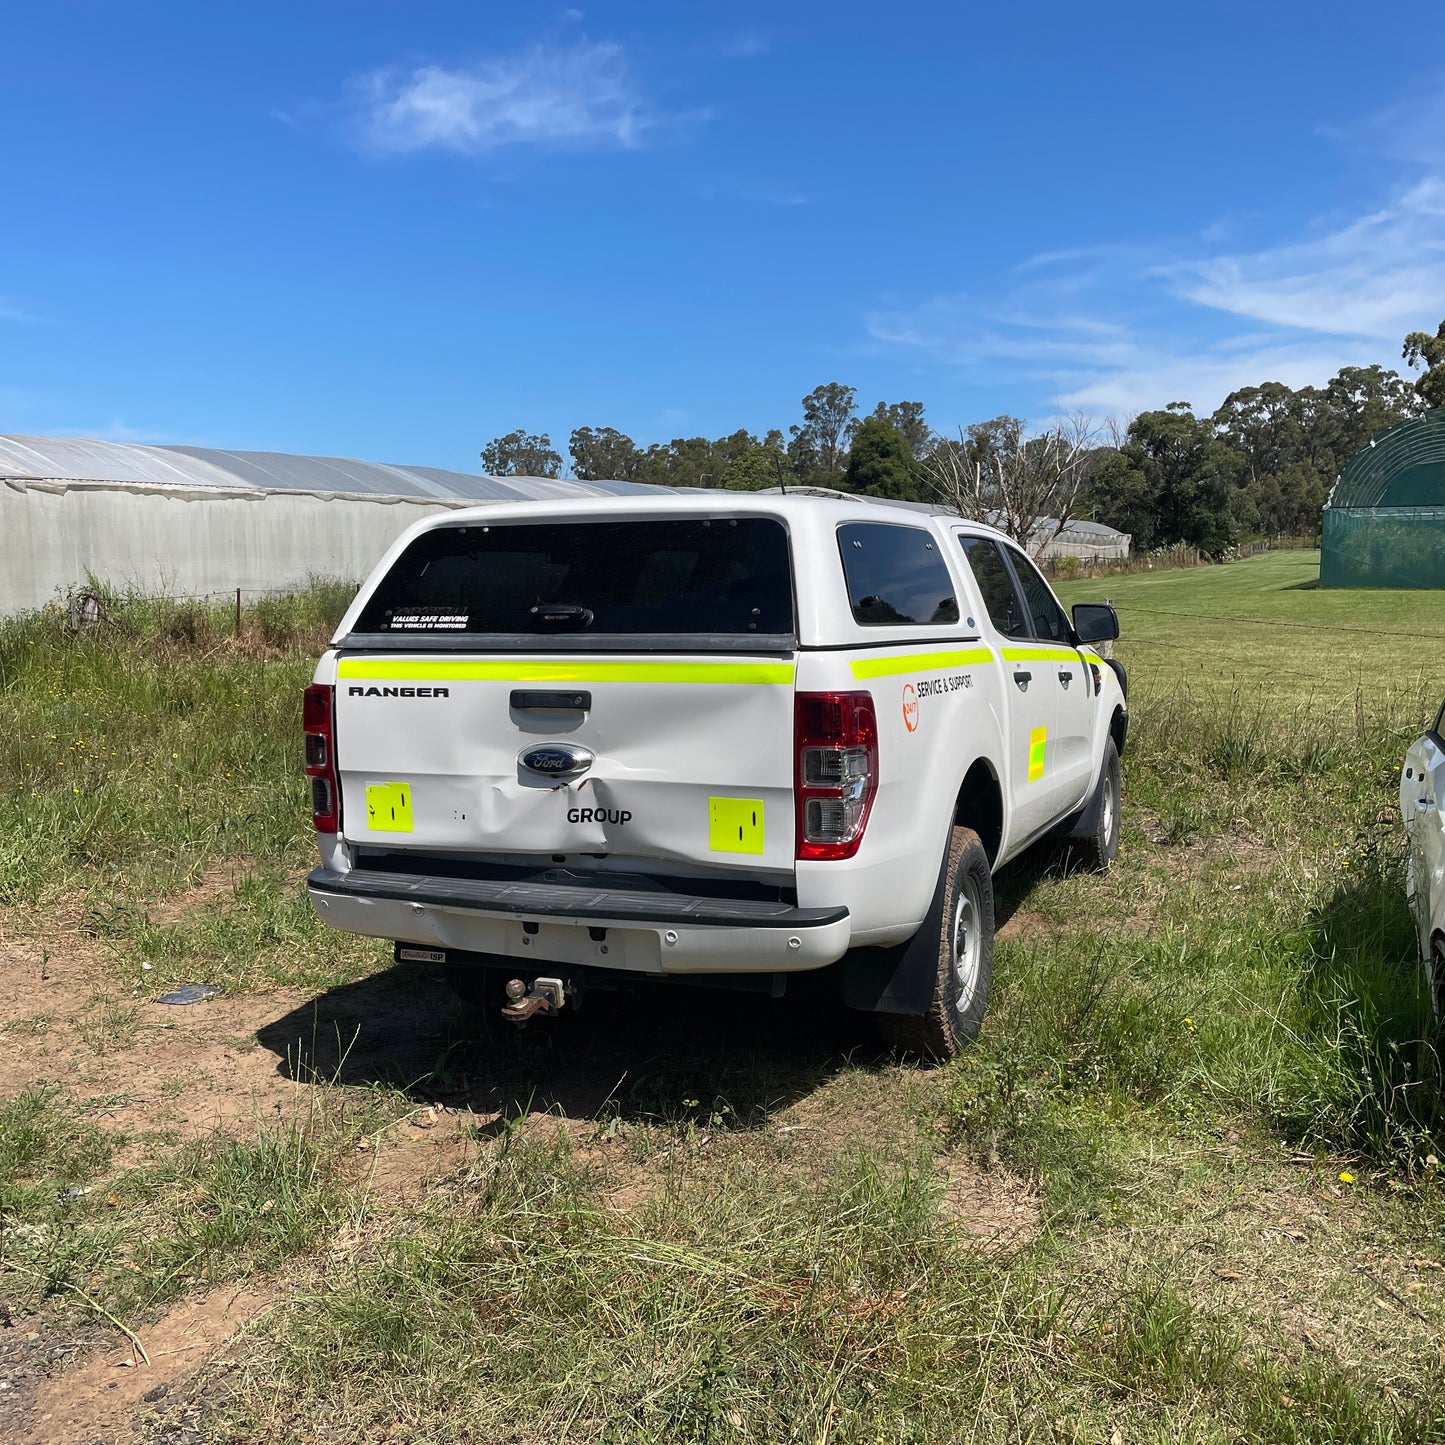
pixel 817 504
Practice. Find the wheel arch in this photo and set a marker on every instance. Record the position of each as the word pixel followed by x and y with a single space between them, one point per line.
pixel 1119 729
pixel 979 805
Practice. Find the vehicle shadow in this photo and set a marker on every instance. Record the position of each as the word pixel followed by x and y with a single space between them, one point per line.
pixel 653 1052
pixel 1013 884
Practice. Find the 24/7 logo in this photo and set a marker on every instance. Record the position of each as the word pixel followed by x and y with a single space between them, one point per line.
pixel 910 707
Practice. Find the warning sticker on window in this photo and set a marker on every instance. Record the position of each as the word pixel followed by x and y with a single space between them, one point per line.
pixel 429 621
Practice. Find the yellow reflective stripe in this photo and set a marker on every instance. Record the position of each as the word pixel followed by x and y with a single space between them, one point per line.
pixel 1038 742
pixel 1039 654
pixel 919 662
pixel 540 669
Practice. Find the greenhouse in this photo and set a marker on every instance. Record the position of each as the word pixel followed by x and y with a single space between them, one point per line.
pixel 199 522
pixel 1384 523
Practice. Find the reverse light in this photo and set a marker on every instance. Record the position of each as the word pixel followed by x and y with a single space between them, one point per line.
pixel 318 724
pixel 836 771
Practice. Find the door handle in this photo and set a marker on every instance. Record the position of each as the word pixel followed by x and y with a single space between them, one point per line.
pixel 1066 678
pixel 1023 679
pixel 551 701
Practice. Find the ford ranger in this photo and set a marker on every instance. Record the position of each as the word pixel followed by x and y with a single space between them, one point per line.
pixel 731 737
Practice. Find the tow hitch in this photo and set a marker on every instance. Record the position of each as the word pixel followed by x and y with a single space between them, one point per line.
pixel 545 997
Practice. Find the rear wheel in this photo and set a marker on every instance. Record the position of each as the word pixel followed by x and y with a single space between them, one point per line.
pixel 1096 851
pixel 965 959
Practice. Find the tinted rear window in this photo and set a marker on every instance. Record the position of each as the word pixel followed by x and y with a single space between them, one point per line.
pixel 895 575
pixel 725 576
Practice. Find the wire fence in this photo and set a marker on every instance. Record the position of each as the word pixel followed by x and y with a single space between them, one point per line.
pixel 211 614
pixel 1063 569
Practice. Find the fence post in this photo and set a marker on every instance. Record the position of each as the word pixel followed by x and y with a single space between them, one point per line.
pixel 238 614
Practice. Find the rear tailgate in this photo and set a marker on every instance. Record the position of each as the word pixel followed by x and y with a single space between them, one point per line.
pixel 690 756
pixel 572 687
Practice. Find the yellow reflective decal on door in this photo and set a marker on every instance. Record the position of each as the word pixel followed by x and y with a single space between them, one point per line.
pixel 1038 740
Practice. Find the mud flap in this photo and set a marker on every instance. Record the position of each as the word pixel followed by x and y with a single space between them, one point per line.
pixel 900 979
pixel 1086 823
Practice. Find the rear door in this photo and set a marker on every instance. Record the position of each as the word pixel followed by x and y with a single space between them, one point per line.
pixel 1060 667
pixel 1029 694
pixel 616 689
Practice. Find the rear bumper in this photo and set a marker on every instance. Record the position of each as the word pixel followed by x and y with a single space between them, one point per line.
pixel 570 923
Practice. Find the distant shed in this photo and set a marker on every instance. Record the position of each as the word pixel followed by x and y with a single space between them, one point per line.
pixel 1088 541
pixel 1384 522
pixel 195 521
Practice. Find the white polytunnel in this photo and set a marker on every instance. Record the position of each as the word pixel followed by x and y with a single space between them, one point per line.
pixel 199 522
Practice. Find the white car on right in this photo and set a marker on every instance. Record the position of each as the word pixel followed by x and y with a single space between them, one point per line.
pixel 1422 792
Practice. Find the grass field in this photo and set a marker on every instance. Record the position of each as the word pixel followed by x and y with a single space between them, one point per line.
pixel 1185 1187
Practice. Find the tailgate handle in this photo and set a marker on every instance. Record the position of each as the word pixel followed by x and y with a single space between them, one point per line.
pixel 556 701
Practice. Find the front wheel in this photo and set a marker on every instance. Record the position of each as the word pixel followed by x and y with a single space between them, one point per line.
pixel 965 959
pixel 1096 850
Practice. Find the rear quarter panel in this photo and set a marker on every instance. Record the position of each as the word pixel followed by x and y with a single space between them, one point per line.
pixel 937 696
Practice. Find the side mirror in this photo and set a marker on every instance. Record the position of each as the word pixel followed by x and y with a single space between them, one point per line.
pixel 1095 622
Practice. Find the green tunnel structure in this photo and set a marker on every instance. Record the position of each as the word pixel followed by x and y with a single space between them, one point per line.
pixel 1384 524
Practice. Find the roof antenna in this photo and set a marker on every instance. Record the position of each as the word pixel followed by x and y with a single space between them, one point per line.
pixel 778 463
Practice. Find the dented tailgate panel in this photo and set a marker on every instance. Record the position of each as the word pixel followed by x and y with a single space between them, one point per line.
pixel 684 758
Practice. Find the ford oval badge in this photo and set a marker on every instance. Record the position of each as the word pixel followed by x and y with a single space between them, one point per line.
pixel 557 760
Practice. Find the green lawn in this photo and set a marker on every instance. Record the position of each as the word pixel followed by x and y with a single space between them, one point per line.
pixel 1264 623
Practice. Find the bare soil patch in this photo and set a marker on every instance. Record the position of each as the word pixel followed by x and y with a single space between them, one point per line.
pixel 996 1209
pixel 100 1399
pixel 145 1068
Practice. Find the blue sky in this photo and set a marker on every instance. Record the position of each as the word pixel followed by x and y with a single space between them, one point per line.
pixel 395 230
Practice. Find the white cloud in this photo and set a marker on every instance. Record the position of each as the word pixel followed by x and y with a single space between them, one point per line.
pixel 1156 377
pixel 1375 277
pixel 570 97
pixel 11 312
pixel 1412 130
pixel 1123 328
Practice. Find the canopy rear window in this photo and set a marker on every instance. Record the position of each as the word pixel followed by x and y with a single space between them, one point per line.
pixel 721 576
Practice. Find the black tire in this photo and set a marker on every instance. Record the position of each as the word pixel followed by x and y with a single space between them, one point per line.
pixel 1096 851
pixel 478 987
pixel 965 959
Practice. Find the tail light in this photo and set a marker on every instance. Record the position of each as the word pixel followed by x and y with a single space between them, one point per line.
pixel 318 723
pixel 836 749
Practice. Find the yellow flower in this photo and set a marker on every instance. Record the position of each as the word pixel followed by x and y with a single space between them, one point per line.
pixel 1346 1177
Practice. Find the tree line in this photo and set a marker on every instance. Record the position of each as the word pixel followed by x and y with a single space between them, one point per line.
pixel 1261 465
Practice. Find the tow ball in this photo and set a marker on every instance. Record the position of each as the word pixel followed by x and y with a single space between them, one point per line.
pixel 545 997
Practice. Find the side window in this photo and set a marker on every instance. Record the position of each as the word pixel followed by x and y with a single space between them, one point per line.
pixel 895 575
pixel 1045 614
pixel 1000 596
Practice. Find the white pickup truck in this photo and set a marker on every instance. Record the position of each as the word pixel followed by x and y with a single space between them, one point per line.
pixel 727 735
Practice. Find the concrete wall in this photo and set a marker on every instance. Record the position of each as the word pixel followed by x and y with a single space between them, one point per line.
pixel 187 543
